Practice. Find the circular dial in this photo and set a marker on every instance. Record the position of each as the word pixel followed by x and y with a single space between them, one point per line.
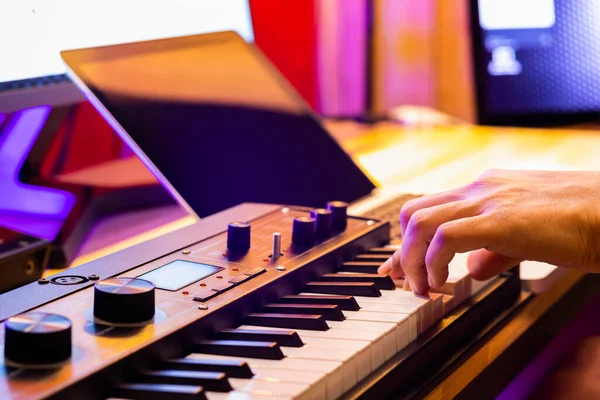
pixel 37 339
pixel 339 215
pixel 322 222
pixel 238 237
pixel 303 231
pixel 124 300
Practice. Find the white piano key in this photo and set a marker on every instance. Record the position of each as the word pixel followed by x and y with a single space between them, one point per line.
pixel 318 387
pixel 236 395
pixel 340 336
pixel 348 358
pixel 330 370
pixel 390 331
pixel 406 324
pixel 253 386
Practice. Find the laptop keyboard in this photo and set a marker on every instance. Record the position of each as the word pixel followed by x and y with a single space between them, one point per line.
pixel 390 211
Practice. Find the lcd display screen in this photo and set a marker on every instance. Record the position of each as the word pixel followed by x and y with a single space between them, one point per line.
pixel 179 274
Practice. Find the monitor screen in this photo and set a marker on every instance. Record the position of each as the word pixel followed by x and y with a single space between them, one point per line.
pixel 33 32
pixel 217 123
pixel 536 61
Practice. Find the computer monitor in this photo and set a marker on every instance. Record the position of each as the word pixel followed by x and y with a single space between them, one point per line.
pixel 536 62
pixel 33 32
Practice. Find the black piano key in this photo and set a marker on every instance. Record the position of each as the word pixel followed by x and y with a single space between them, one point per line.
pixel 382 282
pixel 366 289
pixel 347 303
pixel 380 258
pixel 330 312
pixel 233 368
pixel 210 381
pixel 289 321
pixel 240 348
pixel 282 338
pixel 361 267
pixel 159 391
pixel 382 250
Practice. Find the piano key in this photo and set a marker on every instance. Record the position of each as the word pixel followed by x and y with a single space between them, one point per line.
pixel 213 381
pixel 318 384
pixel 349 359
pixel 253 386
pixel 367 289
pixel 329 371
pixel 157 391
pixel 382 282
pixel 282 338
pixel 235 348
pixel 345 351
pixel 394 246
pixel 344 302
pixel 382 250
pixel 448 302
pixel 407 325
pixel 362 267
pixel 390 331
pixel 328 311
pixel 233 368
pixel 375 338
pixel 295 321
pixel 437 306
pixel 237 395
pixel 380 258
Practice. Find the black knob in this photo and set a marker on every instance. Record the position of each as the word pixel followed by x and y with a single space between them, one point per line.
pixel 322 222
pixel 124 300
pixel 303 231
pixel 37 339
pixel 238 237
pixel 339 216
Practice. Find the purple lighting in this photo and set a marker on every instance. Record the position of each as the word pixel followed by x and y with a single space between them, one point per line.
pixel 19 198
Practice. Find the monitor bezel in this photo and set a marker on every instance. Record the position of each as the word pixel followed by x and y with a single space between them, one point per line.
pixel 484 115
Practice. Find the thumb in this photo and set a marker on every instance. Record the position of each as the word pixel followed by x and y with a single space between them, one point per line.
pixel 483 264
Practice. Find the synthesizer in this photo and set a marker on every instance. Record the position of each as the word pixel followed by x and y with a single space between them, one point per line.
pixel 256 302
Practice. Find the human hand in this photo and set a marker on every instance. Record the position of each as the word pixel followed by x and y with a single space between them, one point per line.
pixel 502 218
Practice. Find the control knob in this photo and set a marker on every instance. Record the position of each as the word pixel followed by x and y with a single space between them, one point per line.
pixel 303 231
pixel 339 217
pixel 322 222
pixel 37 339
pixel 124 300
pixel 238 237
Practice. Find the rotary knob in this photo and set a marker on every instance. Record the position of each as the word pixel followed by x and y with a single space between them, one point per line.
pixel 303 231
pixel 238 237
pixel 322 222
pixel 124 300
pixel 339 216
pixel 37 339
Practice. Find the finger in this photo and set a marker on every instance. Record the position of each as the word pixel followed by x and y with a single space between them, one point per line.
pixel 458 236
pixel 392 266
pixel 412 206
pixel 420 231
pixel 483 264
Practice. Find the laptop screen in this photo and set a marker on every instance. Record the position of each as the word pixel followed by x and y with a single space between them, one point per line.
pixel 216 123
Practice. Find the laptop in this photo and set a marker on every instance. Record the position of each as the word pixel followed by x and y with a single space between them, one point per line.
pixel 219 125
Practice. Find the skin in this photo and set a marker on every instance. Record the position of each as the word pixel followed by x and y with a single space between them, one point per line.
pixel 502 218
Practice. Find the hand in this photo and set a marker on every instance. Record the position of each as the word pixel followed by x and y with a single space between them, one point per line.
pixel 503 218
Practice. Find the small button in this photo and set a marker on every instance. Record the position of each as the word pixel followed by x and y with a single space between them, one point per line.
pixel 204 295
pixel 222 287
pixel 254 272
pixel 236 280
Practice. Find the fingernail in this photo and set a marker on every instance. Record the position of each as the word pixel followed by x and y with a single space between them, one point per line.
pixel 430 281
pixel 385 268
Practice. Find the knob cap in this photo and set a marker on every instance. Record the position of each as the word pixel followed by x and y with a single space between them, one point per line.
pixel 37 339
pixel 322 222
pixel 339 215
pixel 124 300
pixel 238 237
pixel 303 231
